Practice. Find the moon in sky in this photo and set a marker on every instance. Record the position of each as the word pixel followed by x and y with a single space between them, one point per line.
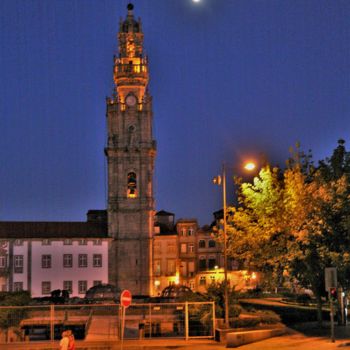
pixel 196 0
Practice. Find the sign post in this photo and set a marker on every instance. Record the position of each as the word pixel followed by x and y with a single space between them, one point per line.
pixel 125 301
pixel 331 283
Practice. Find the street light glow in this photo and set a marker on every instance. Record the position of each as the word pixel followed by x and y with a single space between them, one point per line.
pixel 249 166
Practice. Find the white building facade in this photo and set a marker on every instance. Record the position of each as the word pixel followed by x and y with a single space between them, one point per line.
pixel 44 256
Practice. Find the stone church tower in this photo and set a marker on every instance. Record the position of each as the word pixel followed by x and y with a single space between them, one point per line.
pixel 130 154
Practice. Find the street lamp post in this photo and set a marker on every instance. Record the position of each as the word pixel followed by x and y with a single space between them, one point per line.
pixel 225 245
pixel 221 180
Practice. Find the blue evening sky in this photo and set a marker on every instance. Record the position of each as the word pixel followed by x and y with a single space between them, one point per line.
pixel 230 79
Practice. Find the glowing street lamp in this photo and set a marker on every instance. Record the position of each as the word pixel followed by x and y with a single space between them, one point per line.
pixel 249 166
pixel 221 181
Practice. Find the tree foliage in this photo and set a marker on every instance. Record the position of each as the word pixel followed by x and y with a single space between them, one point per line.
pixel 296 221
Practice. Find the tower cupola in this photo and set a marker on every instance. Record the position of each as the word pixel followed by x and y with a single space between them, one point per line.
pixel 130 25
pixel 131 66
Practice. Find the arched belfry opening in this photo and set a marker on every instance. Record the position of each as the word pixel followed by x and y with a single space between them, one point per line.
pixel 132 185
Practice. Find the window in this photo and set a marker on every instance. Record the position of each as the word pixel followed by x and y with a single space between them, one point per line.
pixel 97 260
pixel 211 263
pixel 45 287
pixel 132 185
pixel 67 242
pixel 82 260
pixel 18 286
pixel 191 266
pixel 68 285
pixel 192 285
pixel 82 287
pixel 202 263
pixel 201 243
pixel 202 281
pixel 171 266
pixel 157 248
pixel 3 261
pixel 171 248
pixel 97 242
pixel 190 232
pixel 212 244
pixel 183 248
pixel 46 261
pixel 18 242
pixel 212 279
pixel 67 260
pixel 18 263
pixel 157 267
pixel 45 242
pixel 183 232
pixel 82 242
pixel 96 283
pixel 191 248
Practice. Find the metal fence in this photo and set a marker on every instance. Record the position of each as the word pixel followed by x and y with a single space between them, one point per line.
pixel 103 321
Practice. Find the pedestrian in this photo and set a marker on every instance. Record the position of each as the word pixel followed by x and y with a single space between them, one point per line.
pixel 71 340
pixel 64 341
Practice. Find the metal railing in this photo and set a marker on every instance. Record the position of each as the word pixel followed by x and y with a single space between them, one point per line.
pixel 103 321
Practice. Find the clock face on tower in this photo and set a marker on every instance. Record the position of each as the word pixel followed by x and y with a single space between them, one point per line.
pixel 130 100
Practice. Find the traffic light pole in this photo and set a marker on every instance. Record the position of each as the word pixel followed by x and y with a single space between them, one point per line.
pixel 332 316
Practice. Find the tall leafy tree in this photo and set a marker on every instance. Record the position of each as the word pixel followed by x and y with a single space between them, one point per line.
pixel 297 220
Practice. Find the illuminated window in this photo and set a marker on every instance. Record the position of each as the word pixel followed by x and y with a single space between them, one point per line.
pixel 171 248
pixel 157 267
pixel 171 266
pixel 132 185
pixel 183 248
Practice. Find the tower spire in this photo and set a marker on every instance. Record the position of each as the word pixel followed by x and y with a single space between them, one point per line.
pixel 131 67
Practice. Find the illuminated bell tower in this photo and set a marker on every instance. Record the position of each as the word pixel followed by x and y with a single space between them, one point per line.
pixel 130 154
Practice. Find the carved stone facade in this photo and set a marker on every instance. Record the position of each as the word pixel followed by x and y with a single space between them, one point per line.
pixel 130 154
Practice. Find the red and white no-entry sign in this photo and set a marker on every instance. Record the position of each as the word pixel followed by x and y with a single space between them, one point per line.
pixel 125 298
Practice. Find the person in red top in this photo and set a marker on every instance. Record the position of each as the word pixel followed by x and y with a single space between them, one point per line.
pixel 71 343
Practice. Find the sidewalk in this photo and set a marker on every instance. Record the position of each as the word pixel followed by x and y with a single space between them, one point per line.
pixel 307 336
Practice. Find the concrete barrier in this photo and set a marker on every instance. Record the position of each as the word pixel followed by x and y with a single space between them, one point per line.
pixel 235 339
